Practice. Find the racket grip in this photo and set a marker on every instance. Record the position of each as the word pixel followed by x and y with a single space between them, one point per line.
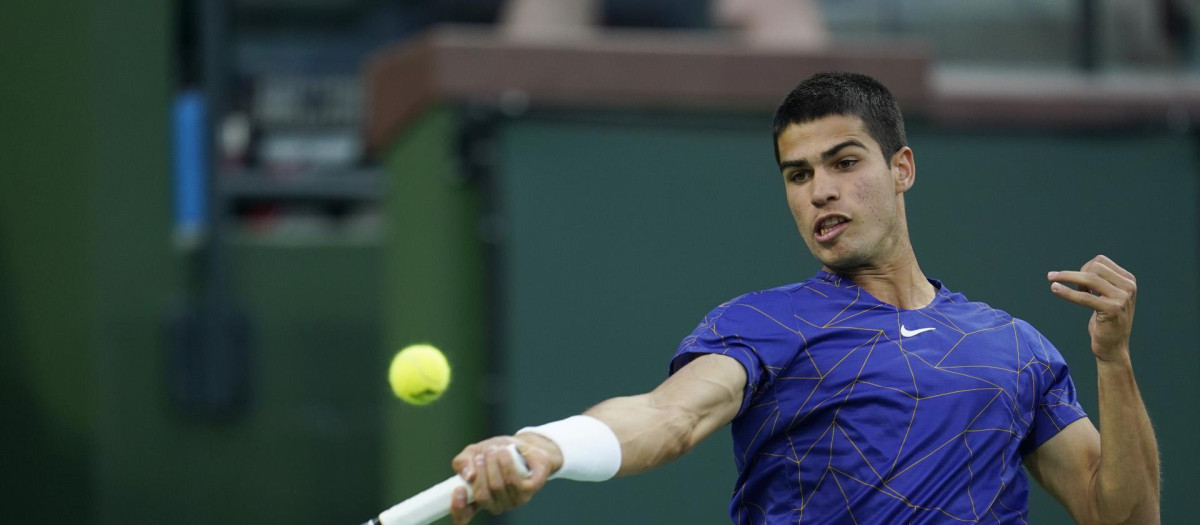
pixel 433 503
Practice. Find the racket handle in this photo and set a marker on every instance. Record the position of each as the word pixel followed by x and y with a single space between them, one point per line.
pixel 434 503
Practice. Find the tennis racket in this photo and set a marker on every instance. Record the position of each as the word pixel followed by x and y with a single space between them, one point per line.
pixel 434 503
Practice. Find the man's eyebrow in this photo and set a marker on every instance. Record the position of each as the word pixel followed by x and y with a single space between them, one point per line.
pixel 834 150
pixel 801 163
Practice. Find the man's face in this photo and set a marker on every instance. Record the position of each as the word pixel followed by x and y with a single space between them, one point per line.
pixel 845 197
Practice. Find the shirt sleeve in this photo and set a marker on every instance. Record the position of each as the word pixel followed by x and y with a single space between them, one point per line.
pixel 758 330
pixel 1057 403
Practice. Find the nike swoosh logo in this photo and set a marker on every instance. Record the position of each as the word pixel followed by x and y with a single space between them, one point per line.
pixel 904 332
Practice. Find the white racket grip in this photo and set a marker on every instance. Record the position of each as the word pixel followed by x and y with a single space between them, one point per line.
pixel 433 503
pixel 426 507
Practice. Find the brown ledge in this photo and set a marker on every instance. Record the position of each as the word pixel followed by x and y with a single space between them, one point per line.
pixel 665 69
pixel 1063 100
pixel 628 69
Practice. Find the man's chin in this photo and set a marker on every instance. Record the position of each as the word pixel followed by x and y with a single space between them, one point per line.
pixel 843 263
pixel 838 258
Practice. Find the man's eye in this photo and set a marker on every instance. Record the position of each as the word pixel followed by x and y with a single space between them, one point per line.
pixel 847 163
pixel 799 176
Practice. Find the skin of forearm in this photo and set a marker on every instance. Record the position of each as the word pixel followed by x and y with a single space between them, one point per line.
pixel 650 434
pixel 1127 478
pixel 659 427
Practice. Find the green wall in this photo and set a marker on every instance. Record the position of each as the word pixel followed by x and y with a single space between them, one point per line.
pixel 88 276
pixel 1041 202
pixel 306 449
pixel 624 229
pixel 620 231
pixel 77 138
pixel 436 292
pixel 623 233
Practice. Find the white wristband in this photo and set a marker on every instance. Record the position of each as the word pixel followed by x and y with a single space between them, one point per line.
pixel 590 450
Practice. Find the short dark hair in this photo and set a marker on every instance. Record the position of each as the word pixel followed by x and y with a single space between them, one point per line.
pixel 825 94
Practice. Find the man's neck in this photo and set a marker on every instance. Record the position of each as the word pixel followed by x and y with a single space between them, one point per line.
pixel 898 282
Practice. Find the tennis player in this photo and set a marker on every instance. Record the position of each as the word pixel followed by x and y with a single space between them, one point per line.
pixel 868 393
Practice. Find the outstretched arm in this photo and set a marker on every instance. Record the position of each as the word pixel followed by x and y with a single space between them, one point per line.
pixel 659 427
pixel 1110 476
pixel 653 429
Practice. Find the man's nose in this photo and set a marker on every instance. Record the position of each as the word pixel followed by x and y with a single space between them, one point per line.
pixel 823 189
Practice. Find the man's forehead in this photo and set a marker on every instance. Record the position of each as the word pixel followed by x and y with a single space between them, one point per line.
pixel 810 139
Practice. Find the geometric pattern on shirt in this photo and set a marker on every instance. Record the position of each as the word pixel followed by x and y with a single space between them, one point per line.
pixel 935 377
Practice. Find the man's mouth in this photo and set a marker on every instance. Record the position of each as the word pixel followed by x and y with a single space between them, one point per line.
pixel 829 227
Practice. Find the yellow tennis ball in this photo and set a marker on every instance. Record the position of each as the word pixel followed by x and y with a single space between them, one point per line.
pixel 419 374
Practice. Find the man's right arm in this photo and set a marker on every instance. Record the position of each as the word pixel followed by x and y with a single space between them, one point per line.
pixel 659 427
pixel 653 429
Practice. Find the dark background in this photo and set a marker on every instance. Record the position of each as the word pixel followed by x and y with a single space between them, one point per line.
pixel 615 236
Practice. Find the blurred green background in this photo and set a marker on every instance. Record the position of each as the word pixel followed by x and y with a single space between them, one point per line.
pixel 599 239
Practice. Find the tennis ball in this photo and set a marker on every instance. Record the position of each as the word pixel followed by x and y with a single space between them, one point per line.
pixel 419 374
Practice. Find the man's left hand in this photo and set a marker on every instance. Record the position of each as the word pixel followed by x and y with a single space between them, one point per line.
pixel 1111 292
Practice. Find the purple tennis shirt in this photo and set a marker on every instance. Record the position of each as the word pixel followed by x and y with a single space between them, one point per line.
pixel 856 411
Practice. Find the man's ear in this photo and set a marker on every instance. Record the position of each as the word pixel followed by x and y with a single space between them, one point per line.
pixel 904 169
